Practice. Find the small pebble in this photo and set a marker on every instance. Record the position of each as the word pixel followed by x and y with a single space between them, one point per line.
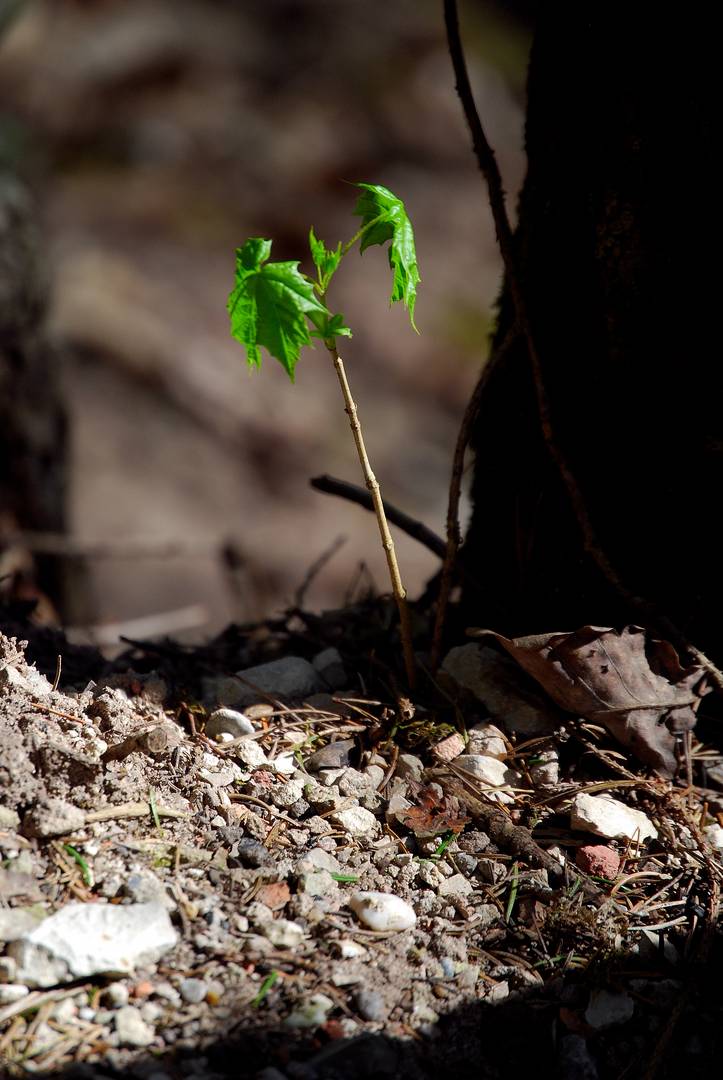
pixel 382 911
pixel 228 722
pixel 193 991
pixel 312 1013
pixel 12 993
pixel 131 1028
pixel 86 1013
pixel 598 859
pixel 371 1005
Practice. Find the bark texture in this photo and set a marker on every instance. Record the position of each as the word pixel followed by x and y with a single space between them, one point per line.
pixel 617 241
pixel 32 421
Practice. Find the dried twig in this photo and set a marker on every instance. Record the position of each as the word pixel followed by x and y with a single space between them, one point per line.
pixel 329 485
pixel 316 567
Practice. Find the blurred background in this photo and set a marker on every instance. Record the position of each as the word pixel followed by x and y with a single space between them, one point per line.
pixel 154 137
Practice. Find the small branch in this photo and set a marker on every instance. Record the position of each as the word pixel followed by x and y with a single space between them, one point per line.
pixel 316 567
pixel 329 485
pixel 400 594
pixel 454 537
pixel 489 168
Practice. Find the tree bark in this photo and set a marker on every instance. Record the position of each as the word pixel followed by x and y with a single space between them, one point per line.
pixel 616 244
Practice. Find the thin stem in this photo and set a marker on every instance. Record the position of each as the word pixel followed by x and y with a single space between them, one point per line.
pixel 400 594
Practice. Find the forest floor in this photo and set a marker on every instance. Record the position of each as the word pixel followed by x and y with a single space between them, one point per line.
pixel 192 863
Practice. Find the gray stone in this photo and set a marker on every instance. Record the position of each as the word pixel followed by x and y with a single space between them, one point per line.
pixel 131 1027
pixel 457 885
pixel 575 1061
pixel 288 677
pixel 193 991
pixel 229 722
pixel 495 680
pixel 371 1005
pixel 82 940
pixel 409 767
pixel 330 666
pixel 606 1009
pixel 143 886
pixel 53 817
pixel 353 782
pixel 317 883
pixel 334 756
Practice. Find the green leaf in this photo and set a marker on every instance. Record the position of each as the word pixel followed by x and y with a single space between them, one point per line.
pixel 325 261
pixel 332 327
pixel 270 304
pixel 384 218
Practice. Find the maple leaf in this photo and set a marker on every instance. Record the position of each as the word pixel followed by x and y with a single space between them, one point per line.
pixel 434 814
pixel 270 305
pixel 385 218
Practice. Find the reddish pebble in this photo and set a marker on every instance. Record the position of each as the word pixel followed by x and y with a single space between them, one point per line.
pixel 449 748
pixel 599 860
pixel 142 989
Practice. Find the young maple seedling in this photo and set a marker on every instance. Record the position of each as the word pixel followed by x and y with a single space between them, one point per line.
pixel 275 305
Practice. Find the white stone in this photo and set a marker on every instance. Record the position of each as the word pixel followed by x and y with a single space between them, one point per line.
pixel 82 940
pixel 355 820
pixel 457 885
pixel 9 994
pixel 131 1027
pixel 350 950
pixel 228 722
pixel 607 1009
pixel 284 764
pixel 490 773
pixel 605 816
pixel 283 934
pixel 714 836
pixel 382 911
pixel 486 739
pixel 312 1013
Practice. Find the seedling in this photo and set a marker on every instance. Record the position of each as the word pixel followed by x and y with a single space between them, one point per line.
pixel 275 305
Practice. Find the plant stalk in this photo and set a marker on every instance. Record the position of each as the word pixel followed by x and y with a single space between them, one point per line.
pixel 400 593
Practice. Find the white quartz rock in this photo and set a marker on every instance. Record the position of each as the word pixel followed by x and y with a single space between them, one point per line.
pixel 490 773
pixel 382 911
pixel 605 816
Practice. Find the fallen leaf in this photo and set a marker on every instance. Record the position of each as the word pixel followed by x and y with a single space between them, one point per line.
pixel 435 814
pixel 631 683
pixel 276 895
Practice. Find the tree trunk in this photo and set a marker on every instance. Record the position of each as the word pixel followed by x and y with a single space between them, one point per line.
pixel 618 228
pixel 32 420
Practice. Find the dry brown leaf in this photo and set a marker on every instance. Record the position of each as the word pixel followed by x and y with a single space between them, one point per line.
pixel 434 814
pixel 631 683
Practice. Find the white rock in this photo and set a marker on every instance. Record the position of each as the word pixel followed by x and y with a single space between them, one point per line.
pixel 356 821
pixel 714 836
pixel 457 885
pixel 132 1028
pixel 350 950
pixel 382 911
pixel 490 773
pixel 312 1013
pixel 250 753
pixel 228 722
pixel 486 739
pixel 607 1009
pixel 605 816
pixel 9 994
pixel 284 764
pixel 283 934
pixel 82 940
pixel 16 922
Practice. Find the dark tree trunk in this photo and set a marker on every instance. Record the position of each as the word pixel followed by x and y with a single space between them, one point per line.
pixel 32 421
pixel 617 239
